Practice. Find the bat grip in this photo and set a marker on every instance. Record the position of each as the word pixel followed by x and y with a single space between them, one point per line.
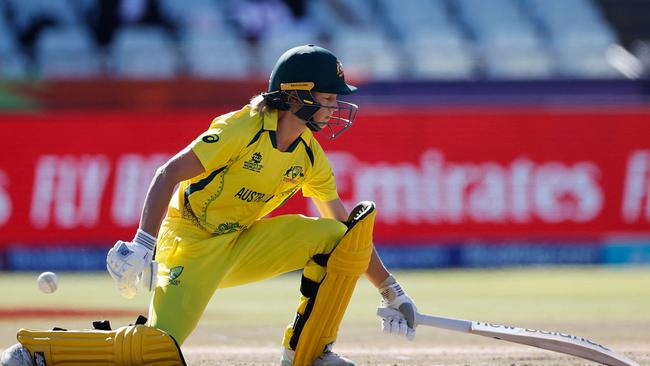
pixel 457 325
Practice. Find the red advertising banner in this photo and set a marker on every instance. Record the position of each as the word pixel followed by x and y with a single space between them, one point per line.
pixel 80 178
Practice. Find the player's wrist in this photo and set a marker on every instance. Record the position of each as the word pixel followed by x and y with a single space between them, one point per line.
pixel 391 290
pixel 145 240
pixel 387 282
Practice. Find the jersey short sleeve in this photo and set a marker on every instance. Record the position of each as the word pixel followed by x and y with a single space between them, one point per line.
pixel 320 183
pixel 220 143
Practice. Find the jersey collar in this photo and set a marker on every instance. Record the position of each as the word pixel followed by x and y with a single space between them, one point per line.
pixel 270 119
pixel 271 124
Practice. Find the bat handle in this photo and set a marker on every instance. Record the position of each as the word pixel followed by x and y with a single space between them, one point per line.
pixel 457 325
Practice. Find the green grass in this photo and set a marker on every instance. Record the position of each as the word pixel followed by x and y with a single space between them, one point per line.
pixel 609 304
pixel 581 294
pixel 531 294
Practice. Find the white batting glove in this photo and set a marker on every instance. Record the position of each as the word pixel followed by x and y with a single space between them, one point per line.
pixel 398 310
pixel 130 263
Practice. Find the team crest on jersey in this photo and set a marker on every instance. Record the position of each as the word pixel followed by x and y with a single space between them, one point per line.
pixel 227 227
pixel 254 163
pixel 174 273
pixel 293 174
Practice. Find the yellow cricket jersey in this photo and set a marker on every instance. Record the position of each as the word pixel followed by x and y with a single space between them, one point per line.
pixel 246 176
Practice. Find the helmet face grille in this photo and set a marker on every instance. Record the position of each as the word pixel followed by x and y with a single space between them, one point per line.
pixel 341 116
pixel 340 120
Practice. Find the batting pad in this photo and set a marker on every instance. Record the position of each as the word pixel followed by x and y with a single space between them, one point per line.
pixel 132 345
pixel 346 263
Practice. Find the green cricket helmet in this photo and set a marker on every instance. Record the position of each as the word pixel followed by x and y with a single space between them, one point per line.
pixel 306 69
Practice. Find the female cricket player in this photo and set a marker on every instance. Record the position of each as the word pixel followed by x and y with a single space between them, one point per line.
pixel 215 234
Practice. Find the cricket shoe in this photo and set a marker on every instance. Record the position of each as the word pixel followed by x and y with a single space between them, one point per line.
pixel 328 358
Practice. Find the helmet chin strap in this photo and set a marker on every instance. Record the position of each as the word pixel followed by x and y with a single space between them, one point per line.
pixel 307 108
pixel 312 125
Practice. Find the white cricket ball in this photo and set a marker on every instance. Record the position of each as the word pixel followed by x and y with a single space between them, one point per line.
pixel 48 282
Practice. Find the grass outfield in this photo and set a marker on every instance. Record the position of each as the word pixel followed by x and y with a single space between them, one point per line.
pixel 244 325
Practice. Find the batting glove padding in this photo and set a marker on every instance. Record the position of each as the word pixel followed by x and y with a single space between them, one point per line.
pixel 399 317
pixel 131 262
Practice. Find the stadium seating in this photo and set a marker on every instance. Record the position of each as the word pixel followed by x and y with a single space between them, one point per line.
pixel 578 35
pixel 8 42
pixel 440 54
pixel 432 44
pixel 143 52
pixel 344 17
pixel 408 18
pixel 376 39
pixel 225 57
pixel 203 17
pixel 13 64
pixel 367 55
pixel 277 40
pixel 67 53
pixel 61 12
pixel 14 67
pixel 507 42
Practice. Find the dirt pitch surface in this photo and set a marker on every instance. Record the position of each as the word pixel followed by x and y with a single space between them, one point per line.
pixel 244 325
pixel 368 346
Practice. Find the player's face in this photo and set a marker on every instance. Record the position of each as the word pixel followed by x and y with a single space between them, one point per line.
pixel 332 117
pixel 326 100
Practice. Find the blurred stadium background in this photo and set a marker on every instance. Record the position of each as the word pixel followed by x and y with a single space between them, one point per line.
pixel 491 133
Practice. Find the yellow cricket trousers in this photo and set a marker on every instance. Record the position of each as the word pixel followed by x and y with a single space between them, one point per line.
pixel 193 263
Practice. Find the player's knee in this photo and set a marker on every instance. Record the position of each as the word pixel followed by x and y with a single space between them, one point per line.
pixel 333 229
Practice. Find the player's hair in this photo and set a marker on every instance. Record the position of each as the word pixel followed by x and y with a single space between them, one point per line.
pixel 259 104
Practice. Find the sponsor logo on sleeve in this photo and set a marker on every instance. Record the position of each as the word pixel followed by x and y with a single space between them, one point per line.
pixel 213 137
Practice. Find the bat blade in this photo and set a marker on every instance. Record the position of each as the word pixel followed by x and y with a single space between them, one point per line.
pixel 552 341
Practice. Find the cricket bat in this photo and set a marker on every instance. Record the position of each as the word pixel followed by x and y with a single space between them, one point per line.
pixel 550 340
